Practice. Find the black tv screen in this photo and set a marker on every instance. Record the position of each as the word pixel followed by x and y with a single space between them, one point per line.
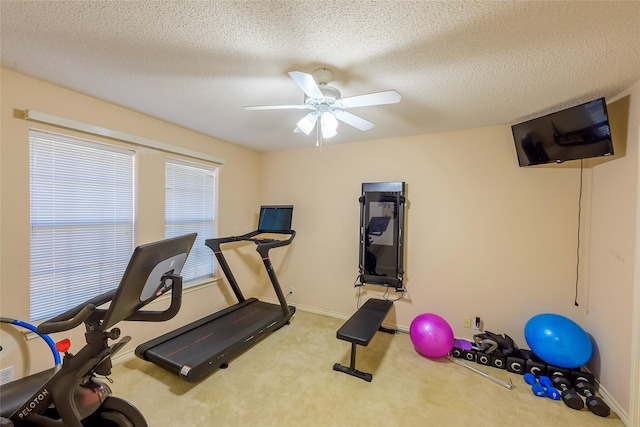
pixel 275 218
pixel 578 132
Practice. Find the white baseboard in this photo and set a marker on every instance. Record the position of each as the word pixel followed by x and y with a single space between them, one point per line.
pixel 624 417
pixel 123 356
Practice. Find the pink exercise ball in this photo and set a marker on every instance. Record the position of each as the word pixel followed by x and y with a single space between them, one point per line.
pixel 431 335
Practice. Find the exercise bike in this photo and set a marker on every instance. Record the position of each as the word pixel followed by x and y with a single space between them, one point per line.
pixel 73 396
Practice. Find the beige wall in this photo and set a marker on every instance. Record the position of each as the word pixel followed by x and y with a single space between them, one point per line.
pixel 484 237
pixel 613 236
pixel 238 194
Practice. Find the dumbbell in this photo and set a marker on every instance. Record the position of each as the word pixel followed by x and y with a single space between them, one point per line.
pixel 569 396
pixel 545 388
pixel 552 392
pixel 594 403
pixel 536 388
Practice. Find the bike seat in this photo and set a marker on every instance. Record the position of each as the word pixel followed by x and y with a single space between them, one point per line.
pixel 15 394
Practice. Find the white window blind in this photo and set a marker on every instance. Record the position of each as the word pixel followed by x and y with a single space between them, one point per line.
pixel 82 220
pixel 190 207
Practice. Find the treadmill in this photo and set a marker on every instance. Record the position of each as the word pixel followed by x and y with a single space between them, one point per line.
pixel 195 350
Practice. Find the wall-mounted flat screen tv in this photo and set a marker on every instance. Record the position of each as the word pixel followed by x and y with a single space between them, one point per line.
pixel 578 132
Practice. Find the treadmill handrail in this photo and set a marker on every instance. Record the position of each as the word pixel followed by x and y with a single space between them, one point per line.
pixel 215 242
pixel 264 245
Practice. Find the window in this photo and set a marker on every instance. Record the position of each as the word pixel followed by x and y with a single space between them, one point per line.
pixel 81 220
pixel 190 207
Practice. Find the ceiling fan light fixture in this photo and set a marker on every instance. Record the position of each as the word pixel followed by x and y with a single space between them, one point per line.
pixel 326 134
pixel 307 123
pixel 329 124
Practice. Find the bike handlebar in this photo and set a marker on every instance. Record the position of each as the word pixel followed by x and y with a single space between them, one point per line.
pixel 76 315
pixel 67 320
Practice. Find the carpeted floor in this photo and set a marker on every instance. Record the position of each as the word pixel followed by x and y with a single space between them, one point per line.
pixel 287 380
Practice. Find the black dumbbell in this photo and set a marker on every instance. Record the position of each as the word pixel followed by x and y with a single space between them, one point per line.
pixel 569 396
pixel 594 403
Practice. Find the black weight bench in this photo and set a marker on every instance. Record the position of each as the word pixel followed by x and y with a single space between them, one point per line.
pixel 360 329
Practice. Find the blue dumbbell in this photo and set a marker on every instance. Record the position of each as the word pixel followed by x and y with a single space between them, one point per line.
pixel 542 389
pixel 536 388
pixel 552 392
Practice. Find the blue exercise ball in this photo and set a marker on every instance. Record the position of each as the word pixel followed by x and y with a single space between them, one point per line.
pixel 558 341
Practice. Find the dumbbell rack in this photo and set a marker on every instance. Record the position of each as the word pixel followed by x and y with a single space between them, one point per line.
pixel 565 380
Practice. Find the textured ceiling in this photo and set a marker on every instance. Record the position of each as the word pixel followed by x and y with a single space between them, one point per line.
pixel 457 64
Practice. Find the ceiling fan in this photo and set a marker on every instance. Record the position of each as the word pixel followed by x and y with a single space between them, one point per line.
pixel 327 105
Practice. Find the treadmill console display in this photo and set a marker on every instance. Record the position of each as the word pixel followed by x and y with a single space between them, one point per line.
pixel 275 219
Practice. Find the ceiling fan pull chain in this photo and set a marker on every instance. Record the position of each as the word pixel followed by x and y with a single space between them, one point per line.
pixel 319 134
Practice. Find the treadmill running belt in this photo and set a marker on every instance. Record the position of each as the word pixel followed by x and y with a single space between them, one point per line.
pixel 210 345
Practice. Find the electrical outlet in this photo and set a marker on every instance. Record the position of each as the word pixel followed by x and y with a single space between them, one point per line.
pixel 477 323
pixel 291 290
pixel 467 322
pixel 6 375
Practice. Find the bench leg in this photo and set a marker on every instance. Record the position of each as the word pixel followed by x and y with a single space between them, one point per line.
pixel 353 356
pixel 387 330
pixel 351 370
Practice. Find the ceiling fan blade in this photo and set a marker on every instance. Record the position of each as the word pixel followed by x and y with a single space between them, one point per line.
pixel 277 107
pixel 353 120
pixel 377 98
pixel 307 83
pixel 307 123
